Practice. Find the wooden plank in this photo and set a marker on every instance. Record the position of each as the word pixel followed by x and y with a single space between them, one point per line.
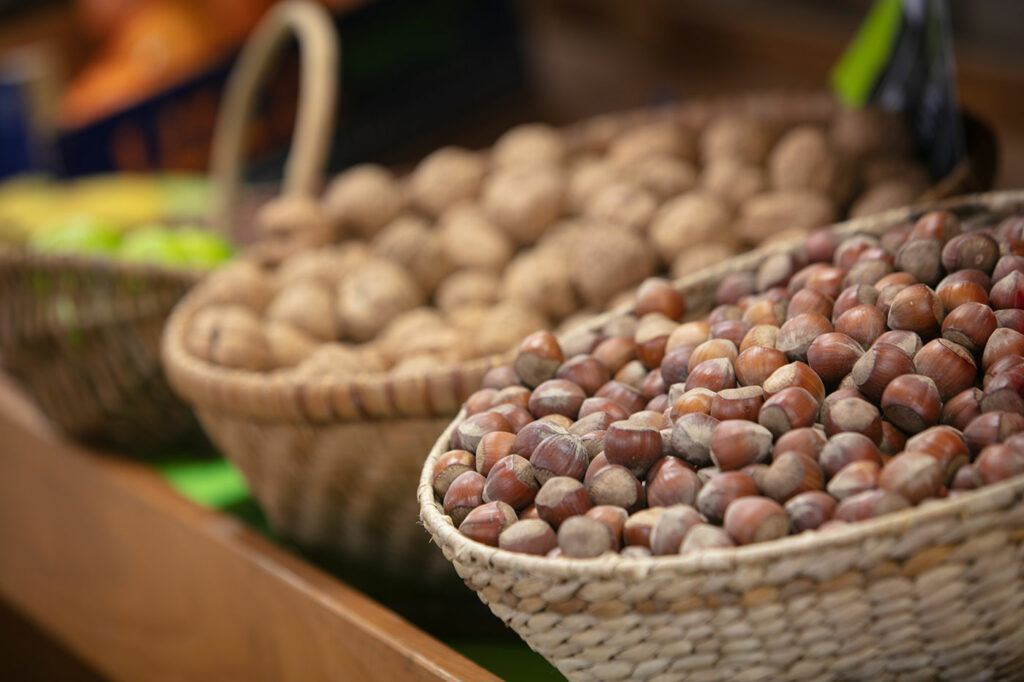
pixel 143 584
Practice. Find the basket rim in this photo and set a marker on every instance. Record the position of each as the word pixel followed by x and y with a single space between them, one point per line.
pixel 614 565
pixel 101 264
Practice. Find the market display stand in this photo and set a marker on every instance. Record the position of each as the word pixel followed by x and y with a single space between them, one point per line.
pixel 140 583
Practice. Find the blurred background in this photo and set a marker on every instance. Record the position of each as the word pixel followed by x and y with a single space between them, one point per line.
pixel 128 85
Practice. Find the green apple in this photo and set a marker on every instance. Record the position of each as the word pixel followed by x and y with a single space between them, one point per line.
pixel 77 234
pixel 151 244
pixel 202 247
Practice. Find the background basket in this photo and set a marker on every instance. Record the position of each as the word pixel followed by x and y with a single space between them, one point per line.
pixel 82 334
pixel 933 592
pixel 334 461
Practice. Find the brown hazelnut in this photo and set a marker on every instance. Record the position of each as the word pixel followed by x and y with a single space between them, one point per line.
pixel 908 341
pixel 795 374
pixel 615 485
pixel 517 416
pixel 868 270
pixel 580 537
pixel 966 478
pixel 810 509
pixel 691 438
pixel 809 301
pixel 970 326
pixel 820 245
pixel 468 434
pixel 615 351
pixel 1008 363
pixel 689 335
pixel 943 443
pixel 922 258
pixel 538 358
pixel 593 443
pixel 854 478
pixel 902 279
pixel 735 286
pixel 657 295
pixel 720 490
pixel 530 536
pixel 916 309
pixel 658 403
pixel 614 518
pixel 559 455
pixel 862 323
pixel 1011 318
pixel 559 498
pixel 597 421
pixel 807 440
pixel 912 475
pixel 879 365
pixel 912 402
pixel 672 481
pixel 638 527
pixel 991 428
pixel 1002 342
pixel 627 397
pixel 598 405
pixel 557 396
pixel 869 504
pixel 651 337
pixel 650 419
pixel 850 249
pixel 671 527
pixel 948 364
pixel 886 295
pixel 754 365
pixel 512 395
pixel 585 371
pixel 733 331
pixel 1004 392
pixel 501 377
pixel 694 400
pixel 531 435
pixel 1007 264
pixel 893 440
pixel 486 523
pixel 789 474
pixel 632 445
pixel 492 447
pixel 846 447
pixel 755 519
pixel 955 294
pixel 764 335
pixel 852 296
pixel 448 467
pixel 790 408
pixel 999 462
pixel 714 375
pixel 597 463
pixel 1008 292
pixel 705 536
pixel 479 401
pixel 735 443
pixel 940 225
pixel 711 350
pixel 797 334
pixel 827 280
pixel 855 415
pixel 632 374
pixel 962 408
pixel 512 481
pixel 737 403
pixel 464 493
pixel 833 355
pixel 765 312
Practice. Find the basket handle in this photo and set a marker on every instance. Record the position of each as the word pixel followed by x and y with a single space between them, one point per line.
pixel 314 121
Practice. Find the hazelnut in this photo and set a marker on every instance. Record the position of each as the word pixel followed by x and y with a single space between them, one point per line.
pixel 1004 392
pixel 852 296
pixel 846 447
pixel 795 374
pixel 468 434
pixel 362 200
pixel 908 341
pixel 810 509
pixel 627 397
pixel 807 440
pixel 922 258
pixel 755 519
pixel 561 497
pixel 720 490
pixel 638 527
pixel 651 336
pixel 614 518
pixel 530 512
pixel 733 331
pixel 463 494
pixel 1002 342
pixel 559 455
pixel 916 309
pixel 790 408
pixel 705 536
pixel 556 396
pixel 538 358
pixel 512 480
pixel 695 400
pixel 789 474
pixel 797 334
pixel 867 271
pixel 912 402
pixel 714 375
pixel 912 475
pixel 735 443
pixel 688 334
pixel 854 478
pixel 650 419
pixel 970 325
pixel 671 528
pixel 512 395
pixel 765 312
pixel 754 365
pixel 672 481
pixel 833 355
pixel 763 335
pixel 943 443
pixel 592 423
pixel 486 523
pixel 999 462
pixel 530 536
pixel 1007 363
pixel 879 365
pixel 868 505
pixel 580 537
pixel 991 428
pixel 809 301
pixel 962 408
pixel 734 287
pixel 479 401
pixel 886 295
pixel 948 364
pixel 444 178
pixel 1011 319
pixel 1008 292
pixel 586 371
pixel 615 485
pixel 658 403
pixel 654 386
pixel 853 415
pixel 615 351
pixel 711 350
pixel 492 447
pixel 657 295
pixel 448 467
pixel 940 225
pixel 1007 264
pixel 827 280
pixel 820 245
pixel 691 438
pixel 598 463
pixel 605 406
pixel 955 294
pixel 739 403
pixel 517 416
pixel 632 445
pixel 974 250
pixel 862 323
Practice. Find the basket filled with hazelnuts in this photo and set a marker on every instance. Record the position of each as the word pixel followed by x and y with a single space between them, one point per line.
pixel 364 319
pixel 819 474
pixel 82 308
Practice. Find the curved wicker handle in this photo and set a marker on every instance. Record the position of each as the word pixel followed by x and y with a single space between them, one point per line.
pixel 318 44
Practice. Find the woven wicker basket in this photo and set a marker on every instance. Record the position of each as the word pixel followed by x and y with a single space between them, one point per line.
pixel 934 592
pixel 82 335
pixel 334 462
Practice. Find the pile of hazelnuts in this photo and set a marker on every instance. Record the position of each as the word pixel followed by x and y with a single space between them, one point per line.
pixel 854 378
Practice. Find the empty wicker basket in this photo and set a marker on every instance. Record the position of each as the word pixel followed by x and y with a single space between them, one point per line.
pixel 933 592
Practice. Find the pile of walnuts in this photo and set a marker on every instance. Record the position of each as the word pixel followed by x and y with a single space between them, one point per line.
pixel 539 231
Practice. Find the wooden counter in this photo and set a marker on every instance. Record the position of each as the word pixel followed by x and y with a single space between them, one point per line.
pixel 140 583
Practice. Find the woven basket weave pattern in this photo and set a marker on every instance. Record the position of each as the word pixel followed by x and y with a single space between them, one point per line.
pixel 933 592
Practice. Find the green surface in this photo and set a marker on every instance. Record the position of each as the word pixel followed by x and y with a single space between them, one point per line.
pixel 854 75
pixel 215 483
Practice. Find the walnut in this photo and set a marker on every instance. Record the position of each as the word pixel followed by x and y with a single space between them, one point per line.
pixel 288 345
pixel 505 325
pixel 447 344
pixel 470 240
pixel 657 138
pixel 532 144
pixel 772 212
pixel 229 335
pixel 539 279
pixel 467 287
pixel 406 326
pixel 446 177
pixel 878 169
pixel 339 360
pixel 565 235
pixel 733 180
pixel 362 200
pixel 467 318
pixel 664 176
pixel 864 132
pixel 610 260
pixel 694 218
pixel 240 282
pixel 523 202
pixel 802 159
pixel 419 364
pixel 287 225
pixel 372 295
pixel 307 305
pixel 328 265
pixel 408 241
pixel 699 257
pixel 735 136
pixel 586 177
pixel 595 135
pixel 886 195
pixel 623 204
